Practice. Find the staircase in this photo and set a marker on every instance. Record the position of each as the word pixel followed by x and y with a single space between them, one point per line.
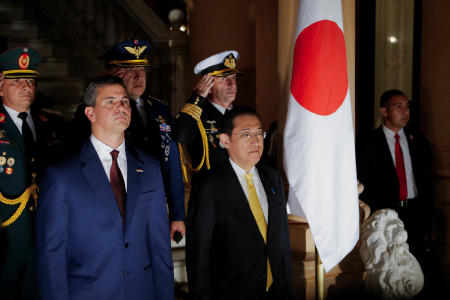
pixel 70 35
pixel 62 71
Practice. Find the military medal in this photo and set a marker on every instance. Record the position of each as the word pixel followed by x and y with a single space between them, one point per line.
pixel 2 160
pixel 10 162
pixel 2 118
pixel 1 169
pixel 164 129
pixel 9 170
pixel 211 133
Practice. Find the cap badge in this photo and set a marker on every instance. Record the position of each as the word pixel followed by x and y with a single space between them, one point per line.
pixel 137 51
pixel 24 61
pixel 230 62
pixel 136 41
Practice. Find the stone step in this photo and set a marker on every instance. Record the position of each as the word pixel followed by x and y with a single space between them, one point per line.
pixel 18 29
pixel 53 67
pixel 43 46
pixel 11 11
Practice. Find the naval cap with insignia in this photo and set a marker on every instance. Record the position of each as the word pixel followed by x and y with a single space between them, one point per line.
pixel 219 65
pixel 20 62
pixel 128 54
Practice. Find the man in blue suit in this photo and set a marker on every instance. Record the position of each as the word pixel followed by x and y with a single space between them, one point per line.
pixel 102 226
pixel 151 127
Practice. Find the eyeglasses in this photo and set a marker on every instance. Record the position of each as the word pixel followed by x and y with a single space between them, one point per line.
pixel 249 134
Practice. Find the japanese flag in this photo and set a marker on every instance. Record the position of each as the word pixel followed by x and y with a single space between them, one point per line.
pixel 319 147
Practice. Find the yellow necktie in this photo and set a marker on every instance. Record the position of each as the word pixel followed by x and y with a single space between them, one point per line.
pixel 255 206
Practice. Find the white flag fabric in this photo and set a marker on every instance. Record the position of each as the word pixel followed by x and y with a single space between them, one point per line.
pixel 319 145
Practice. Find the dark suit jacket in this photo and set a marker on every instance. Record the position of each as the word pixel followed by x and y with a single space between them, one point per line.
pixel 155 139
pixel 82 248
pixel 226 254
pixel 376 171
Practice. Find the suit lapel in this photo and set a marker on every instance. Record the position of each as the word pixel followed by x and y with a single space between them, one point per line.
pixel 273 200
pixel 135 170
pixel 386 153
pixel 95 175
pixel 11 129
pixel 237 200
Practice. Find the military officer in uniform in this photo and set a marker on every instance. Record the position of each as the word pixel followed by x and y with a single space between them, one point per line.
pixel 151 122
pixel 198 126
pixel 28 139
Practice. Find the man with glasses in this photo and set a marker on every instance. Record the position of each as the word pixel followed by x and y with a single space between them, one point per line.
pixel 237 230
pixel 151 122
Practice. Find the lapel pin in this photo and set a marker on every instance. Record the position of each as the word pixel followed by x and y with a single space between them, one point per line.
pixel 139 170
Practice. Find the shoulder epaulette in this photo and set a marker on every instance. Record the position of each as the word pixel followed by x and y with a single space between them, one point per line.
pixel 158 100
pixel 52 112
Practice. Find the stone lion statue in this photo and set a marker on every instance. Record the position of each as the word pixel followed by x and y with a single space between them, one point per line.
pixel 392 271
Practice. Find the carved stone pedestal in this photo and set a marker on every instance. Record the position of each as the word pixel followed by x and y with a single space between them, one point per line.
pixel 345 280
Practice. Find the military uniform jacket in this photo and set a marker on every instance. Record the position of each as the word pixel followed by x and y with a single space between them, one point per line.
pixel 187 133
pixel 17 216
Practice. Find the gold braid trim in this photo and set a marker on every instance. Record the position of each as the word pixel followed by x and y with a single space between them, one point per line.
pixel 193 110
pixel 183 163
pixel 205 156
pixel 22 200
pixel 205 147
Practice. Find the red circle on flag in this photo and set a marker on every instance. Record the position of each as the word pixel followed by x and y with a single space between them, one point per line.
pixel 319 76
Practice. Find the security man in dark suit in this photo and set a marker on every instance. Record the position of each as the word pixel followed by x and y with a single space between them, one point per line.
pixel 199 124
pixel 151 127
pixel 29 138
pixel 237 244
pixel 394 165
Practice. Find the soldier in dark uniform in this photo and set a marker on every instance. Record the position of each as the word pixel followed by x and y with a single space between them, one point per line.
pixel 151 122
pixel 29 138
pixel 198 126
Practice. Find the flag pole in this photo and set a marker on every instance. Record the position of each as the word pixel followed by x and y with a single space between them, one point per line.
pixel 319 277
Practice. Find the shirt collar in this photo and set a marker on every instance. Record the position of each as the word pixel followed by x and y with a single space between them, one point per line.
pixel 391 134
pixel 15 114
pixel 104 150
pixel 241 172
pixel 220 108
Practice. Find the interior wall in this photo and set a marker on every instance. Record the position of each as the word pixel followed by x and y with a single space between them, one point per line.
pixel 435 108
pixel 247 26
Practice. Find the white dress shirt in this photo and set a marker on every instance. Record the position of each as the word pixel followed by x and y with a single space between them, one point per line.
pixel 141 109
pixel 262 197
pixel 221 108
pixel 104 151
pixel 18 121
pixel 390 138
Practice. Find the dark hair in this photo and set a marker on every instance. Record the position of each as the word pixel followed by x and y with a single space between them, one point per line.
pixel 388 95
pixel 228 125
pixel 91 93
